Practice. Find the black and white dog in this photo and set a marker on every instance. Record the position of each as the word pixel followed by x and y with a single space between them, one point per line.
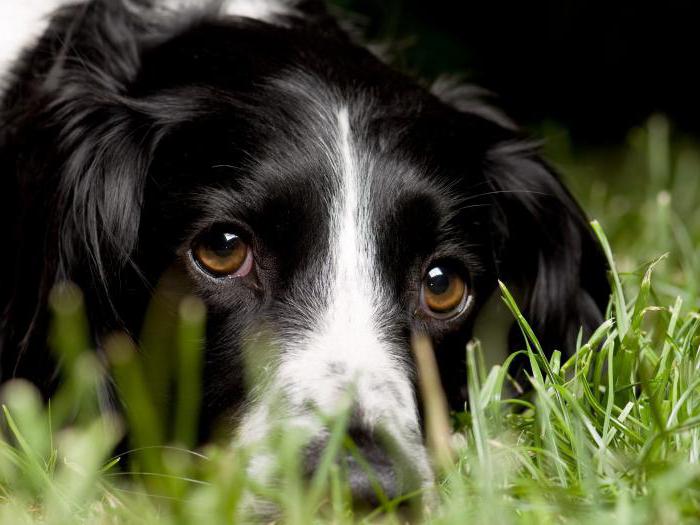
pixel 310 195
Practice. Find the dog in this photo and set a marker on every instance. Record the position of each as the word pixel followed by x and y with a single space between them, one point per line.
pixel 310 195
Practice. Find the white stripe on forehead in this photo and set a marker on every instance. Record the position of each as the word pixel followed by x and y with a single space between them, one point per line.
pixel 347 345
pixel 355 294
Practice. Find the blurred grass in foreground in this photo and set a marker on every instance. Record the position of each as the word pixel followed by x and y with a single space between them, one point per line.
pixel 610 436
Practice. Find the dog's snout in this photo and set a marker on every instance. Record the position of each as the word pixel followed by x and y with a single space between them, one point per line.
pixel 371 472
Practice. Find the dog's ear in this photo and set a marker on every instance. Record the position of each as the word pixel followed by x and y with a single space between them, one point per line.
pixel 82 107
pixel 545 248
pixel 74 152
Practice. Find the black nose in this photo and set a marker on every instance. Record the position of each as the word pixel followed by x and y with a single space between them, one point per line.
pixel 370 471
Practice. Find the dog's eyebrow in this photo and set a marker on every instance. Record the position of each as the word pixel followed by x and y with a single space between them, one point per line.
pixel 406 226
pixel 282 216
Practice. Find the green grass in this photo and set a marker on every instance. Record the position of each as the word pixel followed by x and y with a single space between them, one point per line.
pixel 610 436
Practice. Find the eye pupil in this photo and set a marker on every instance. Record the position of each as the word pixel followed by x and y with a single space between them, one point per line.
pixel 438 281
pixel 223 243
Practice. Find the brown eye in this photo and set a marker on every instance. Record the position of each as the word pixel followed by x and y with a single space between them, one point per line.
pixel 444 292
pixel 222 253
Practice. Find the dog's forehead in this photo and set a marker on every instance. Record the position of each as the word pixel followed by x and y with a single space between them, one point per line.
pixel 289 159
pixel 314 150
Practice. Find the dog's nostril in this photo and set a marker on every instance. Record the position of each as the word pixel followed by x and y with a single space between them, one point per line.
pixel 336 368
pixel 372 482
pixel 370 471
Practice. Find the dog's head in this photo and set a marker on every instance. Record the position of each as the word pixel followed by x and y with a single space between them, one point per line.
pixel 322 206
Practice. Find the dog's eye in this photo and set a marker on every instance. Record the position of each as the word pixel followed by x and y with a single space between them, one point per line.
pixel 444 293
pixel 222 253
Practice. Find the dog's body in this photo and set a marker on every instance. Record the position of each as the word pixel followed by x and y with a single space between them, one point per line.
pixel 136 138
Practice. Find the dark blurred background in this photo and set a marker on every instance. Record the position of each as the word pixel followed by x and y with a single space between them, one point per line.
pixel 594 68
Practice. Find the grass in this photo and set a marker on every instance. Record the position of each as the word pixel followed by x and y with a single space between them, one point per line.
pixel 611 435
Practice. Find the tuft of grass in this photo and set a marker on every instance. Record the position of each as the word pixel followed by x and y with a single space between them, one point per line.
pixel 609 435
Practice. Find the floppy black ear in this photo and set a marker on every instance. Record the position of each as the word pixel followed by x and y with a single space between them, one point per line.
pixel 74 152
pixel 546 251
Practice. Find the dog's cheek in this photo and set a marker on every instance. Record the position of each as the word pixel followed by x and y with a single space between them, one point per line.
pixel 226 380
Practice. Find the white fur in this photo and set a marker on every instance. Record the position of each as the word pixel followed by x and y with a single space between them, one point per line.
pixel 266 10
pixel 21 23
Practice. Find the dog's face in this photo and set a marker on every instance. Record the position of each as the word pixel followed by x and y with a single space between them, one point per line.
pixel 324 212
pixel 321 205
